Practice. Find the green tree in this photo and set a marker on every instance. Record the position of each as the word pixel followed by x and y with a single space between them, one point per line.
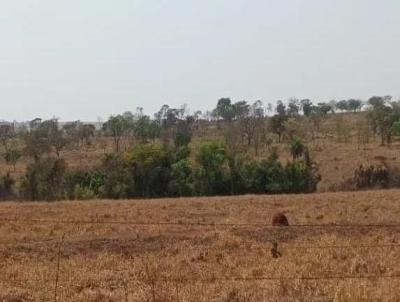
pixel 354 105
pixel 293 107
pixel 211 176
pixel 281 108
pixel 240 109
pixel 181 178
pixel 118 181
pixel 152 169
pixel 342 105
pixel 45 180
pixel 296 148
pixel 225 109
pixel 382 115
pixel 306 106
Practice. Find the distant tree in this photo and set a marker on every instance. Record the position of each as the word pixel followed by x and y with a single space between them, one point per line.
pixel 146 129
pixel 332 104
pixel 281 108
pixel 354 105
pixel 379 102
pixel 382 115
pixel 45 180
pixel 35 123
pixel 71 130
pixel 6 134
pixel 324 108
pixel 116 126
pixel 253 124
pixel 161 115
pixel 342 105
pixel 225 109
pixel 45 137
pixel 270 108
pixel 86 133
pixel 293 107
pixel 36 145
pixel 240 109
pixel 306 106
pixel 56 137
pixel 277 125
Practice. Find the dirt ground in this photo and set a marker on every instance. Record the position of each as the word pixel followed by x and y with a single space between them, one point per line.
pixel 203 249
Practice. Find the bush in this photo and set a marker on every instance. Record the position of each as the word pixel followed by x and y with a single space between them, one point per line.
pixel 118 178
pixel 270 176
pixel 45 180
pixel 181 182
pixel 211 175
pixel 151 166
pixel 83 193
pixel 296 148
pixel 80 183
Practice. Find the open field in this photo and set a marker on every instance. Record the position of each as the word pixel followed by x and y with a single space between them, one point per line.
pixel 112 251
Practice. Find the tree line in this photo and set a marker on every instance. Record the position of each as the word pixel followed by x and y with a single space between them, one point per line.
pixel 157 157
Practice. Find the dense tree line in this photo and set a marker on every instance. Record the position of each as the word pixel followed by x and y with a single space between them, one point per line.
pixel 153 170
pixel 156 156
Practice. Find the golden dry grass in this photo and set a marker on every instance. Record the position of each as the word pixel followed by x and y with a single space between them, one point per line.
pixel 123 262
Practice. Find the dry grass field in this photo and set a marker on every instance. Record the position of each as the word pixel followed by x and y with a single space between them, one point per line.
pixel 111 251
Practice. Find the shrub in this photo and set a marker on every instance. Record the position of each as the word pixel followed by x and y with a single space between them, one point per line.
pixel 211 175
pixel 270 176
pixel 296 148
pixel 82 182
pixel 151 166
pixel 181 182
pixel 296 178
pixel 118 178
pixel 45 180
pixel 83 193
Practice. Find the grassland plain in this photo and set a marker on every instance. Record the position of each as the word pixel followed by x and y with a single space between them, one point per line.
pixel 207 249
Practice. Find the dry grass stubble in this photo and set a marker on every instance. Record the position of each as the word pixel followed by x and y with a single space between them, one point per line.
pixel 179 262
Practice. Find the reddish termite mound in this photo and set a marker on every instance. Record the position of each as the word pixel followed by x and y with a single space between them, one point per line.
pixel 280 219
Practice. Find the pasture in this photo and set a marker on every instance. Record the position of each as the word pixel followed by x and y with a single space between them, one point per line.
pixel 338 247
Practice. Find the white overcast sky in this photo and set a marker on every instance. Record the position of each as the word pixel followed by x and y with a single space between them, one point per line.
pixel 81 59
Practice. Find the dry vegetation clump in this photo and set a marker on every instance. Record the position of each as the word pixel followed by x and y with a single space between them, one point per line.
pixel 207 249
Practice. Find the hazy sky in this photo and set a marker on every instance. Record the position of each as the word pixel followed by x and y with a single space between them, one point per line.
pixel 81 59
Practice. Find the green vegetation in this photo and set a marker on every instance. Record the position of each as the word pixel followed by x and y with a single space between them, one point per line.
pixel 157 157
